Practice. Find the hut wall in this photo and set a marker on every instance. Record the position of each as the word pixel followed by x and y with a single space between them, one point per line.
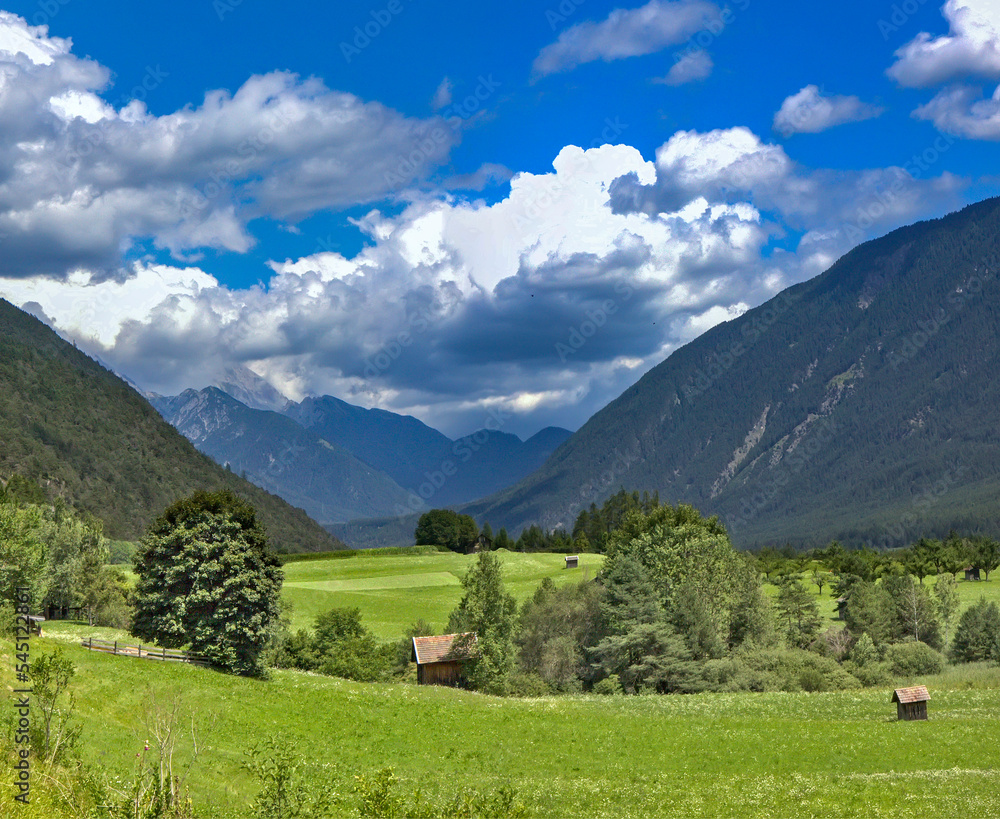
pixel 446 673
pixel 911 710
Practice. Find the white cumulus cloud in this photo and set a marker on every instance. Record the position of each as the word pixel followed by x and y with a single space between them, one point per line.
pixel 811 112
pixel 627 33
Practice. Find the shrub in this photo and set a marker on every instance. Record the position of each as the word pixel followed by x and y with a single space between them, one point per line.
pixel 789 670
pixel 522 684
pixel 912 659
pixel 609 686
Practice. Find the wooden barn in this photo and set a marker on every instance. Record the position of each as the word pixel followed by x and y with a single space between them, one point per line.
pixel 971 573
pixel 480 544
pixel 439 659
pixel 911 703
pixel 841 608
pixel 572 561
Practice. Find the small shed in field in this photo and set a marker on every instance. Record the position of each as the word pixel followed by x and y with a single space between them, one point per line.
pixel 911 703
pixel 480 544
pixel 841 608
pixel 572 561
pixel 439 659
pixel 972 573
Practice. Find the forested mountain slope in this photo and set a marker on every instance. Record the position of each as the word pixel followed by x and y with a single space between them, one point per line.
pixel 863 404
pixel 87 436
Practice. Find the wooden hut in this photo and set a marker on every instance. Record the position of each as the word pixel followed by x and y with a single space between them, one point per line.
pixel 911 703
pixel 572 561
pixel 439 659
pixel 480 544
pixel 972 573
pixel 841 608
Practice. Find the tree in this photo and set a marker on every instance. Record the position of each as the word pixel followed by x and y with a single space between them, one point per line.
pixel 954 555
pixel 915 615
pixel 976 636
pixel 922 558
pixel 799 613
pixel 821 579
pixel 869 611
pixel 207 578
pixel 946 597
pixel 488 610
pixel 443 527
pixel 22 553
pixel 985 553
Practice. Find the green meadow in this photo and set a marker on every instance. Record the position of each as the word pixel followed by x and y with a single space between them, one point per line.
pixel 707 755
pixel 394 590
pixel 711 755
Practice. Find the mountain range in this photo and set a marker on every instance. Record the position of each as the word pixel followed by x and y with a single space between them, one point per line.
pixel 340 462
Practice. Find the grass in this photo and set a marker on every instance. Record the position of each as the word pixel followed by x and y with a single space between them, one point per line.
pixel 394 590
pixel 712 755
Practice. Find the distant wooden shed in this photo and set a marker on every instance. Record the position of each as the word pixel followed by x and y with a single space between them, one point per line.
pixel 439 659
pixel 841 608
pixel 972 573
pixel 572 561
pixel 480 544
pixel 911 703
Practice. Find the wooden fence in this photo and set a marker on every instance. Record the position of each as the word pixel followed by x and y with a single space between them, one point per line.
pixel 145 652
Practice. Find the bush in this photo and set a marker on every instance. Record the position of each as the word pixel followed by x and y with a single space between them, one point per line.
pixel 791 669
pixel 913 659
pixel 609 686
pixel 521 684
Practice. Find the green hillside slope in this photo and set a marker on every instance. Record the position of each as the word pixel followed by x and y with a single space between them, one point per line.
pixel 83 433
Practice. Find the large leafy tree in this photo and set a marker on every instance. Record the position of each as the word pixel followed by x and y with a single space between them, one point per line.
pixel 443 527
pixel 207 578
pixel 22 553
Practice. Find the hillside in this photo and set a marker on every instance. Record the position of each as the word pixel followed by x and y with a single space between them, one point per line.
pixel 861 405
pixel 87 436
pixel 276 453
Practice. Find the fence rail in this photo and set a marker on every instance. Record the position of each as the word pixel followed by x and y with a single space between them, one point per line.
pixel 145 652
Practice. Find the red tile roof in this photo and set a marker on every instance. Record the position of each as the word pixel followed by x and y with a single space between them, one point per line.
pixel 438 649
pixel 917 693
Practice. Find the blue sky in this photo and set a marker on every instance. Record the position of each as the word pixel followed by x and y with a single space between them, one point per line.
pixel 451 209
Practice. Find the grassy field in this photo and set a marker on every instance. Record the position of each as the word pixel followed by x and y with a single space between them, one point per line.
pixel 393 591
pixel 713 755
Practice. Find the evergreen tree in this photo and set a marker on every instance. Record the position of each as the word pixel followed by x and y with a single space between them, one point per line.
pixel 976 637
pixel 488 610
